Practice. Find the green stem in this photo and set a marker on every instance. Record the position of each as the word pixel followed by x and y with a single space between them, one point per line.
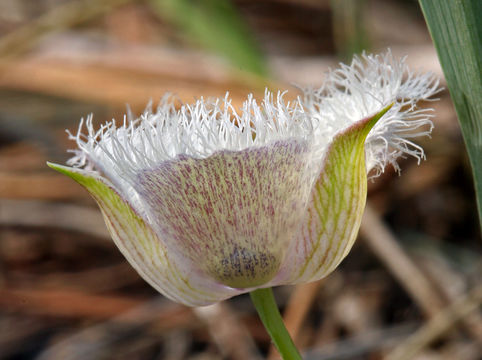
pixel 265 304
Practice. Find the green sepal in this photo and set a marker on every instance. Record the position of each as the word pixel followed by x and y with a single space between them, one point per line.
pixel 336 206
pixel 142 247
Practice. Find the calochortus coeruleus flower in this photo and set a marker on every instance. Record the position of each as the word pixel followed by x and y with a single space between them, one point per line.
pixel 207 202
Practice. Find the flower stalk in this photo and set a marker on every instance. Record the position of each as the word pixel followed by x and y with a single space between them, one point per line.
pixel 208 202
pixel 269 314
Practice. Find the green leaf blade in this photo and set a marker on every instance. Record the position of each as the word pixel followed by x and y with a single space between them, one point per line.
pixel 457 36
pixel 217 26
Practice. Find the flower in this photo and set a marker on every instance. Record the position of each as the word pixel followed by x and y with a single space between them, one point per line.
pixel 207 203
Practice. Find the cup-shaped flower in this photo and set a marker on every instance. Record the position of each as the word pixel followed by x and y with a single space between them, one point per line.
pixel 206 202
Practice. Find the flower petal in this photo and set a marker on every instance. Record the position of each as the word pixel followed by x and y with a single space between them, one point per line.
pixel 144 250
pixel 335 209
pixel 353 92
pixel 234 213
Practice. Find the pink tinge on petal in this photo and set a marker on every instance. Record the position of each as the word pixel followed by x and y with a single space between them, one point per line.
pixel 233 214
pixel 145 251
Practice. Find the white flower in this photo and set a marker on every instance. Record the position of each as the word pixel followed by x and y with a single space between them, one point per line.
pixel 362 88
pixel 207 202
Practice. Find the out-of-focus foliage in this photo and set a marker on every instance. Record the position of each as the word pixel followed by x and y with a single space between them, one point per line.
pixel 456 31
pixel 216 25
pixel 349 28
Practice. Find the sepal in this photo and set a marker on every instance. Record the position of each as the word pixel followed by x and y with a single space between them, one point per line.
pixel 143 249
pixel 334 210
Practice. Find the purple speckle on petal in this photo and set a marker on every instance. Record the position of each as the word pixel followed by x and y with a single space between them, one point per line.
pixel 246 205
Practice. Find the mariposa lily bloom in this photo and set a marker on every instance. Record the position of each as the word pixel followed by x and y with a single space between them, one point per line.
pixel 207 202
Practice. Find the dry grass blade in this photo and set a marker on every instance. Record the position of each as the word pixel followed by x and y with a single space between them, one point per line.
pixel 95 279
pixel 229 334
pixel 438 325
pixel 104 85
pixel 356 347
pixel 415 282
pixel 65 303
pixel 295 313
pixel 62 216
pixel 39 186
pixel 14 331
pixel 89 342
pixel 452 285
pixel 385 246
pixel 59 18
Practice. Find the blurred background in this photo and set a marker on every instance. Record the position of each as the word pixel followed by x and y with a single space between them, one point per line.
pixel 410 288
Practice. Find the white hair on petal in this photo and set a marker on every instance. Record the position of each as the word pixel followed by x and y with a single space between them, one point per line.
pixel 198 130
pixel 350 93
pixel 363 88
